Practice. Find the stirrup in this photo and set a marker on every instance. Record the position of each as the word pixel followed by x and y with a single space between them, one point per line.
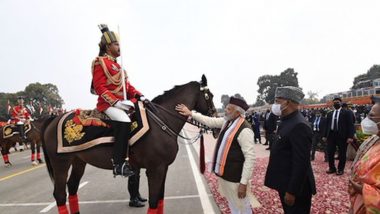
pixel 122 169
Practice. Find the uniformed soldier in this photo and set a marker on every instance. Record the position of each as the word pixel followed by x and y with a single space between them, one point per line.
pixel 289 169
pixel 107 83
pixel 20 116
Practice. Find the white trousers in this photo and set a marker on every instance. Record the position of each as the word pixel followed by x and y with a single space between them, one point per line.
pixel 117 114
pixel 230 191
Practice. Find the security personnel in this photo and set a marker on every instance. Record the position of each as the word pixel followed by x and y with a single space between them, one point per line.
pixel 289 170
pixel 107 83
pixel 20 116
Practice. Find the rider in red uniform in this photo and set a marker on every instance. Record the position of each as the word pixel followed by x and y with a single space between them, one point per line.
pixel 20 116
pixel 107 83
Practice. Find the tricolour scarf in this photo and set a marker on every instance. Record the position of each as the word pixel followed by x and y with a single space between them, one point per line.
pixel 225 144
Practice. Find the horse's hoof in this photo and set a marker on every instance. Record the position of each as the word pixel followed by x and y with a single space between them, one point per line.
pixel 8 164
pixel 34 163
pixel 40 161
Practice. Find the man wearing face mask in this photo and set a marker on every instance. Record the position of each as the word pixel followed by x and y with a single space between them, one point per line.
pixel 234 153
pixel 339 133
pixel 289 170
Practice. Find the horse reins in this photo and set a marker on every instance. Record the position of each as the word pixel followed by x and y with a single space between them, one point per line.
pixel 169 130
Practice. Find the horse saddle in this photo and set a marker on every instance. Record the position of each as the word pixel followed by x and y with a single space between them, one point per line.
pixel 11 129
pixel 82 129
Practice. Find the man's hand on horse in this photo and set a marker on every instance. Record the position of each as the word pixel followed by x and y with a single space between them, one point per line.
pixel 182 109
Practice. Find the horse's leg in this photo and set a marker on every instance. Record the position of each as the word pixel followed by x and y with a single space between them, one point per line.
pixel 156 179
pixel 38 146
pixel 77 172
pixel 33 153
pixel 61 169
pixel 162 194
pixel 4 153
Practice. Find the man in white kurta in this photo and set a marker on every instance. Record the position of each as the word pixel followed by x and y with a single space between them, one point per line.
pixel 234 153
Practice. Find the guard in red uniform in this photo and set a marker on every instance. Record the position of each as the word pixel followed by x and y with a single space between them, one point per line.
pixel 107 83
pixel 20 116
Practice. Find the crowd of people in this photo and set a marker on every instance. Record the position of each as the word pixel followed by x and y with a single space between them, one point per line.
pixel 292 136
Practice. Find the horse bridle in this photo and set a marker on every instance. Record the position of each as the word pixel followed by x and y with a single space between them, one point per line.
pixel 170 131
pixel 211 109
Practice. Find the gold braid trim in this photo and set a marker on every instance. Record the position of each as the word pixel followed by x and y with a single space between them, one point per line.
pixel 115 79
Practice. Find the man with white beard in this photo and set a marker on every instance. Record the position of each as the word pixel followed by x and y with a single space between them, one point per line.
pixel 234 153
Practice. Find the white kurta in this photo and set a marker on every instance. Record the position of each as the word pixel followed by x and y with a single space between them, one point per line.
pixel 230 189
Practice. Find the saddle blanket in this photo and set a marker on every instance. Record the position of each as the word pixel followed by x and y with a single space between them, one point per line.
pixel 11 129
pixel 83 129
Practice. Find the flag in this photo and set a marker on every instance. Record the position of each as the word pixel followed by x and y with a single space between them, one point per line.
pixel 50 110
pixel 41 109
pixel 31 107
pixel 9 107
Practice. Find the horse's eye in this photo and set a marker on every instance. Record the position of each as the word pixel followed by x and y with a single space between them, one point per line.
pixel 207 97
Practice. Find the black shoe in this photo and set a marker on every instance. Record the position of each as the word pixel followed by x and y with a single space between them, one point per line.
pixel 122 169
pixel 339 172
pixel 330 171
pixel 136 203
pixel 141 198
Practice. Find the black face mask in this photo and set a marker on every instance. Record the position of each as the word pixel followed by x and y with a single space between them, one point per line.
pixel 336 105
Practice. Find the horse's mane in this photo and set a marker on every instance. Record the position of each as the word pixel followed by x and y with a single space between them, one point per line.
pixel 172 92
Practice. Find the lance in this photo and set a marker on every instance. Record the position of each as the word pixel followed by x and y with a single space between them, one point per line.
pixel 122 67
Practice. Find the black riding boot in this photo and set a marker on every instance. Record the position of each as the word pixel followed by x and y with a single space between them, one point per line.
pixel 120 149
pixel 21 131
pixel 133 189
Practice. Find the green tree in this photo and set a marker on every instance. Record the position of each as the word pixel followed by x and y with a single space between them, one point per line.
pixel 268 84
pixel 35 94
pixel 259 102
pixel 312 98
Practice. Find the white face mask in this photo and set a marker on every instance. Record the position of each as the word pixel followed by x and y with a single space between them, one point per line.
pixel 276 109
pixel 369 126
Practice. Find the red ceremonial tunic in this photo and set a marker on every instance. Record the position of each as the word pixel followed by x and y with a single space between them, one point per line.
pixel 106 81
pixel 19 113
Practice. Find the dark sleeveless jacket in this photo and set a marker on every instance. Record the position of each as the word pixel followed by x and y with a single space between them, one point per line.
pixel 235 158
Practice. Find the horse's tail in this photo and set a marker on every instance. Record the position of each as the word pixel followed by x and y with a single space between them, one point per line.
pixel 47 160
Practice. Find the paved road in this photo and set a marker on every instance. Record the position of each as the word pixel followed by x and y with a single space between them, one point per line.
pixel 28 189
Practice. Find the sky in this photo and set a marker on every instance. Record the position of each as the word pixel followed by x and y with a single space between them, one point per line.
pixel 172 42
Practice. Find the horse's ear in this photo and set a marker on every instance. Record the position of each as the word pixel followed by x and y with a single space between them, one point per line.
pixel 204 80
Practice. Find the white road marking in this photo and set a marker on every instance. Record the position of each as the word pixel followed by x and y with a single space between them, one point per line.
pixel 205 199
pixel 52 204
pixel 94 202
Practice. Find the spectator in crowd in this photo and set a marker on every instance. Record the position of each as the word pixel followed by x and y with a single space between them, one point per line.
pixel 319 128
pixel 270 126
pixel 339 133
pixel 266 117
pixel 256 127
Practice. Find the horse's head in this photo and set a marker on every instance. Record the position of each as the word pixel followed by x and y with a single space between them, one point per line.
pixel 204 104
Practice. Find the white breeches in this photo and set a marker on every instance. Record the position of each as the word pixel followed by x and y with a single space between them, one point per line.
pixel 117 114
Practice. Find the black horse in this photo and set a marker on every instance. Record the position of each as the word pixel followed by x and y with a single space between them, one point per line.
pixel 155 151
pixel 33 136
